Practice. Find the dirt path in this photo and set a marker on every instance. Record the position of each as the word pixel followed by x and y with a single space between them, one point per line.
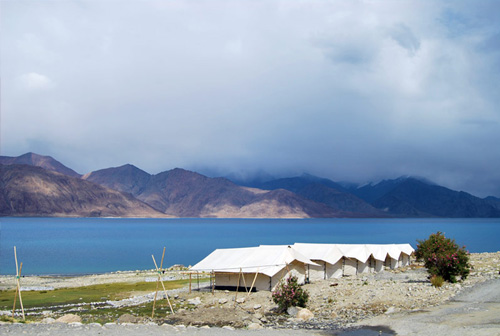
pixel 475 311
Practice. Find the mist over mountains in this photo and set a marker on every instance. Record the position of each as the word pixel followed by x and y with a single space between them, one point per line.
pixel 36 185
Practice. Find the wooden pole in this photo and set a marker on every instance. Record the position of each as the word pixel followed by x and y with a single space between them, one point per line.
pixel 190 274
pixel 253 283
pixel 237 287
pixel 161 281
pixel 18 287
pixel 244 282
pixel 213 282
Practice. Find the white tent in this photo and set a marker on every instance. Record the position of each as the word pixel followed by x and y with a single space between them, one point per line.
pixel 406 251
pixel 327 256
pixel 264 265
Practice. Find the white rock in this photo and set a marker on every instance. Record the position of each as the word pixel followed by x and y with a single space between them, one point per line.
pixel 222 301
pixel 240 300
pixel 257 306
pixel 390 310
pixel 305 314
pixel 292 311
pixel 196 301
pixel 254 326
pixel 228 328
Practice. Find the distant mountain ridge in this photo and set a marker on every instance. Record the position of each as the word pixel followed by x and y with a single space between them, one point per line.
pixel 34 191
pixel 413 197
pixel 182 193
pixel 36 160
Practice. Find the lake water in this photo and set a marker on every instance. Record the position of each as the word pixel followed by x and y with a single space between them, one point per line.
pixel 96 245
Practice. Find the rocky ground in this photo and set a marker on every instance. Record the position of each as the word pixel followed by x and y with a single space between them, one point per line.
pixel 334 304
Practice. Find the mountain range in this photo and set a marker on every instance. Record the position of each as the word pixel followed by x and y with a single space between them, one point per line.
pixel 36 185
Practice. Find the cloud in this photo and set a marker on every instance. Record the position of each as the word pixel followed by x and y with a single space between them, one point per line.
pixel 403 35
pixel 35 82
pixel 350 90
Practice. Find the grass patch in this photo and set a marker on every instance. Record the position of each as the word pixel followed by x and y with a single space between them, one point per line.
pixel 94 293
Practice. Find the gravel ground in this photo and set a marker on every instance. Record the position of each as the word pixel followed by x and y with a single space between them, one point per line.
pixel 402 300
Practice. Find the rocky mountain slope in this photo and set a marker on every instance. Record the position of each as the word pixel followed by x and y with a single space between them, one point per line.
pixel 412 197
pixel 33 159
pixel 326 192
pixel 34 191
pixel 183 193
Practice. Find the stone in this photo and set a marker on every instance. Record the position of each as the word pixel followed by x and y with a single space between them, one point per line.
pixel 257 306
pixel 48 320
pixel 292 311
pixel 127 318
pixel 334 315
pixel 254 326
pixel 305 314
pixel 222 301
pixel 196 301
pixel 390 310
pixel 228 328
pixel 257 315
pixel 240 300
pixel 69 318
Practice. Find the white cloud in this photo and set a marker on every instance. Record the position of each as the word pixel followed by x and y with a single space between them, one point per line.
pixel 35 81
pixel 346 89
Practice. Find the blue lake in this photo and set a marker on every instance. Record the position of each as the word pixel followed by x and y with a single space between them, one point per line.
pixel 96 245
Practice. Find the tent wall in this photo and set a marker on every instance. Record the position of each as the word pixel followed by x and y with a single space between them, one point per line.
pixel 404 260
pixel 230 280
pixel 263 282
pixel 334 271
pixel 391 263
pixel 349 267
pixel 363 267
pixel 317 272
pixel 379 265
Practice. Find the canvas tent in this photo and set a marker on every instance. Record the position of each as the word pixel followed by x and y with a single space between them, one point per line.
pixel 338 260
pixel 264 266
pixel 328 258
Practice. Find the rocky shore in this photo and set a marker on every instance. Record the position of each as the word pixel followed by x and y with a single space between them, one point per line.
pixel 333 304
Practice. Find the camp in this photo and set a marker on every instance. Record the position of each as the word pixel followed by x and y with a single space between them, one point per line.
pixel 259 268
pixel 262 267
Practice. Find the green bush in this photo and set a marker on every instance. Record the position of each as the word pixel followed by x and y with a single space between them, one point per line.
pixel 437 281
pixel 443 257
pixel 290 294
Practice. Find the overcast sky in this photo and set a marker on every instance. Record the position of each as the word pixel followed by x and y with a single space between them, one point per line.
pixel 348 90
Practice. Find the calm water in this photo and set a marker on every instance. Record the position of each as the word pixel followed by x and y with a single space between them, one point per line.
pixel 90 245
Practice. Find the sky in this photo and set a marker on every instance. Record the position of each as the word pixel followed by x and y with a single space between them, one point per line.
pixel 348 90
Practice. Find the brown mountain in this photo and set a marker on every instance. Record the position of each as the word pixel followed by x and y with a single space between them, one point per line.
pixel 45 162
pixel 127 178
pixel 327 192
pixel 33 191
pixel 182 193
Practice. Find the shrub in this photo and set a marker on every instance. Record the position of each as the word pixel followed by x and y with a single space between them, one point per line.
pixel 437 281
pixel 443 257
pixel 289 294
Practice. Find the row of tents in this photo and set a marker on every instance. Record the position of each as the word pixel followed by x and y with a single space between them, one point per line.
pixel 262 267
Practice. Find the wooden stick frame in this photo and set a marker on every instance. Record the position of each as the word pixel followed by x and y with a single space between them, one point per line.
pixel 18 287
pixel 160 280
pixel 253 283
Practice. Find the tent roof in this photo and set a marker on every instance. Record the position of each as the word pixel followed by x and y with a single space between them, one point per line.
pixel 325 252
pixel 268 260
pixel 406 248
